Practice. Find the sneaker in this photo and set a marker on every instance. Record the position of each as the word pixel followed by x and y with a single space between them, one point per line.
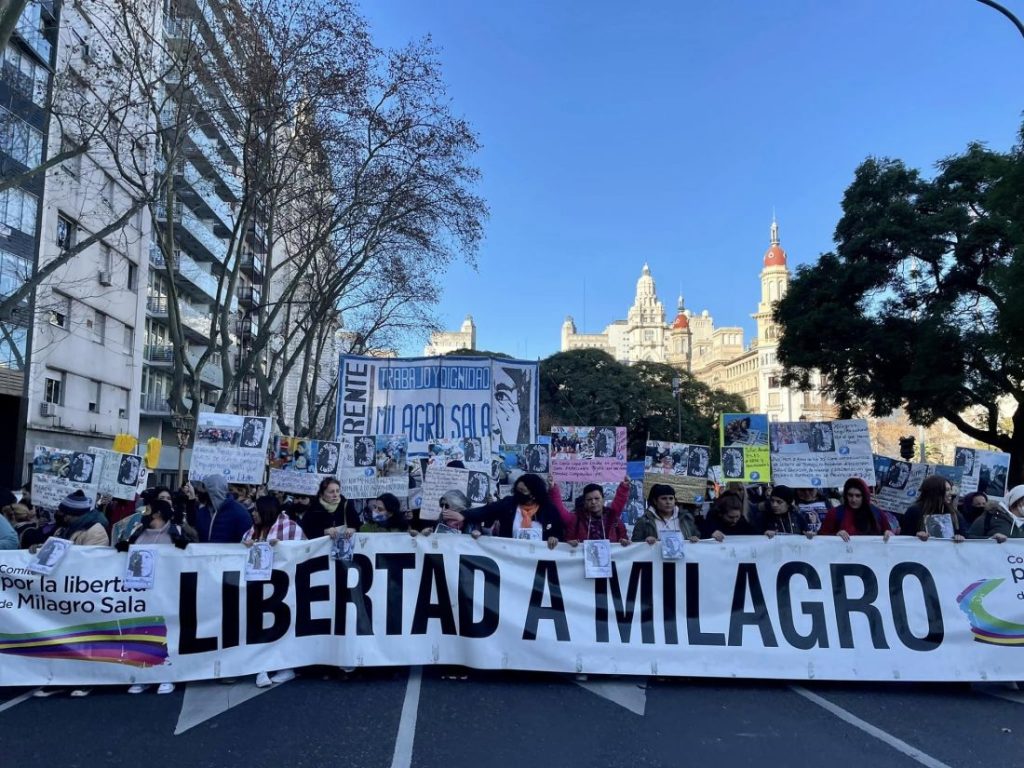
pixel 283 676
pixel 137 688
pixel 81 693
pixel 263 680
pixel 165 688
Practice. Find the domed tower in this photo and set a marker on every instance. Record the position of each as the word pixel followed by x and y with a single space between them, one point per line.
pixel 774 281
pixel 568 330
pixel 680 338
pixel 646 327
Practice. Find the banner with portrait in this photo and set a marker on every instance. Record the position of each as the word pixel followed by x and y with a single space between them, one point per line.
pixel 820 454
pixel 429 399
pixel 121 475
pixel 57 472
pixel 743 438
pixel 230 445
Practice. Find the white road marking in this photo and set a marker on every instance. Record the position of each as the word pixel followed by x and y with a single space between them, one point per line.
pixel 898 744
pixel 17 700
pixel 207 699
pixel 630 693
pixel 407 725
pixel 1004 691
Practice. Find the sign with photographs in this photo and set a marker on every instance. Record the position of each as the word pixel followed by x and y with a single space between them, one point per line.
pixel 588 454
pixel 374 464
pixel 230 445
pixel 298 464
pixel 899 482
pixel 121 475
pixel 984 471
pixel 744 441
pixel 683 466
pixel 515 460
pixel 468 486
pixel 57 472
pixel 820 454
pixel 473 452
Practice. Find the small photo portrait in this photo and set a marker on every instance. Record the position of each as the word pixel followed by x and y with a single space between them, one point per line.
pixel 537 459
pixel 80 470
pixel 822 440
pixel 700 458
pixel 477 487
pixel 128 471
pixel 472 449
pixel 732 463
pixel 253 429
pixel 964 457
pixel 327 456
pixel 604 442
pixel 365 451
pixel 898 475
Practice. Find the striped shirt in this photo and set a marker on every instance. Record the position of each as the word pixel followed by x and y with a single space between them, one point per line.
pixel 283 529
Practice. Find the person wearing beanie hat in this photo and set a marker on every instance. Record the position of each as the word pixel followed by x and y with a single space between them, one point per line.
pixel 856 516
pixel 1001 521
pixel 662 514
pixel 779 515
pixel 83 525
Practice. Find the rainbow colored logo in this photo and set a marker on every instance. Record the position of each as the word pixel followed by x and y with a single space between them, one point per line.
pixel 986 627
pixel 139 642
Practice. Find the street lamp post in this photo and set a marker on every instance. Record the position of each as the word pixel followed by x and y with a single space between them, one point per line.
pixel 182 424
pixel 677 385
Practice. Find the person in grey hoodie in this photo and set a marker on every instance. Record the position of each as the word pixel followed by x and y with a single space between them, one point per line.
pixel 222 520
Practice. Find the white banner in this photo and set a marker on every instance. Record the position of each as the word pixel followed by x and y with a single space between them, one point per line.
pixel 429 399
pixel 820 454
pixel 752 607
pixel 230 445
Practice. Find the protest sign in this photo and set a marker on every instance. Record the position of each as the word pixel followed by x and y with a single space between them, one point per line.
pixel 597 559
pixel 474 487
pixel 374 464
pixel 795 609
pixel 984 471
pixel 259 562
pixel 588 454
pixel 298 464
pixel 680 465
pixel 230 445
pixel 140 567
pixel 57 472
pixel 121 475
pixel 743 438
pixel 901 481
pixel 820 454
pixel 514 460
pixel 49 556
pixel 473 452
pixel 438 398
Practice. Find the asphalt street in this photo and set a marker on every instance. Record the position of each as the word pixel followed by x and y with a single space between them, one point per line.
pixel 404 718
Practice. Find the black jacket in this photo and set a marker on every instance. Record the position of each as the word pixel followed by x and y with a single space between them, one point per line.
pixel 913 518
pixel 503 512
pixel 316 519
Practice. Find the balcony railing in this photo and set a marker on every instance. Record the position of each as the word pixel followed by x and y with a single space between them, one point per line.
pixel 34 38
pixel 204 235
pixel 249 295
pixel 204 189
pixel 150 403
pixel 158 353
pixel 161 212
pixel 209 149
pixel 156 305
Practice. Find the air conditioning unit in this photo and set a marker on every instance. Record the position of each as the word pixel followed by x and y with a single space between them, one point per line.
pixel 105 278
pixel 47 409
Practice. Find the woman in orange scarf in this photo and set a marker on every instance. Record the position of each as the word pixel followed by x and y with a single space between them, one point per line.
pixel 527 514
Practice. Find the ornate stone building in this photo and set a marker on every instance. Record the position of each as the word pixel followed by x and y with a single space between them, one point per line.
pixel 444 342
pixel 716 356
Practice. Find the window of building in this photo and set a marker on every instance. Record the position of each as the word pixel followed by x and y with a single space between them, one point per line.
pixel 99 327
pixel 53 389
pixel 14 271
pixel 13 339
pixel 60 312
pixel 65 232
pixel 19 139
pixel 95 390
pixel 133 277
pixel 106 259
pixel 129 339
pixel 774 382
pixel 73 165
pixel 18 210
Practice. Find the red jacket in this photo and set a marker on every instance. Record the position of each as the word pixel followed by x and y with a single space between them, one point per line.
pixel 577 527
pixel 844 518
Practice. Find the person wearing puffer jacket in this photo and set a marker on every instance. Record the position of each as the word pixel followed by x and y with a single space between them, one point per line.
pixel 83 525
pixel 1001 521
pixel 223 520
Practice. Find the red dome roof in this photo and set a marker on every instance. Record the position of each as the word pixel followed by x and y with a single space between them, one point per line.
pixel 681 322
pixel 775 257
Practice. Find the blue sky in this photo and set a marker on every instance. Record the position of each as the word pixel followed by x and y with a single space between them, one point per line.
pixel 667 132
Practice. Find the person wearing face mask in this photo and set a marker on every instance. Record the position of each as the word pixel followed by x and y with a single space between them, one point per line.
pixel 385 516
pixel 973 506
pixel 778 514
pixel 527 514
pixel 1001 521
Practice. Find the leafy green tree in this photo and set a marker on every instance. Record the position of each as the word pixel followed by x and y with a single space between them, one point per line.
pixel 589 387
pixel 916 305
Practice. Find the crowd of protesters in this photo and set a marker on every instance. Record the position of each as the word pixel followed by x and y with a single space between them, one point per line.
pixel 212 512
